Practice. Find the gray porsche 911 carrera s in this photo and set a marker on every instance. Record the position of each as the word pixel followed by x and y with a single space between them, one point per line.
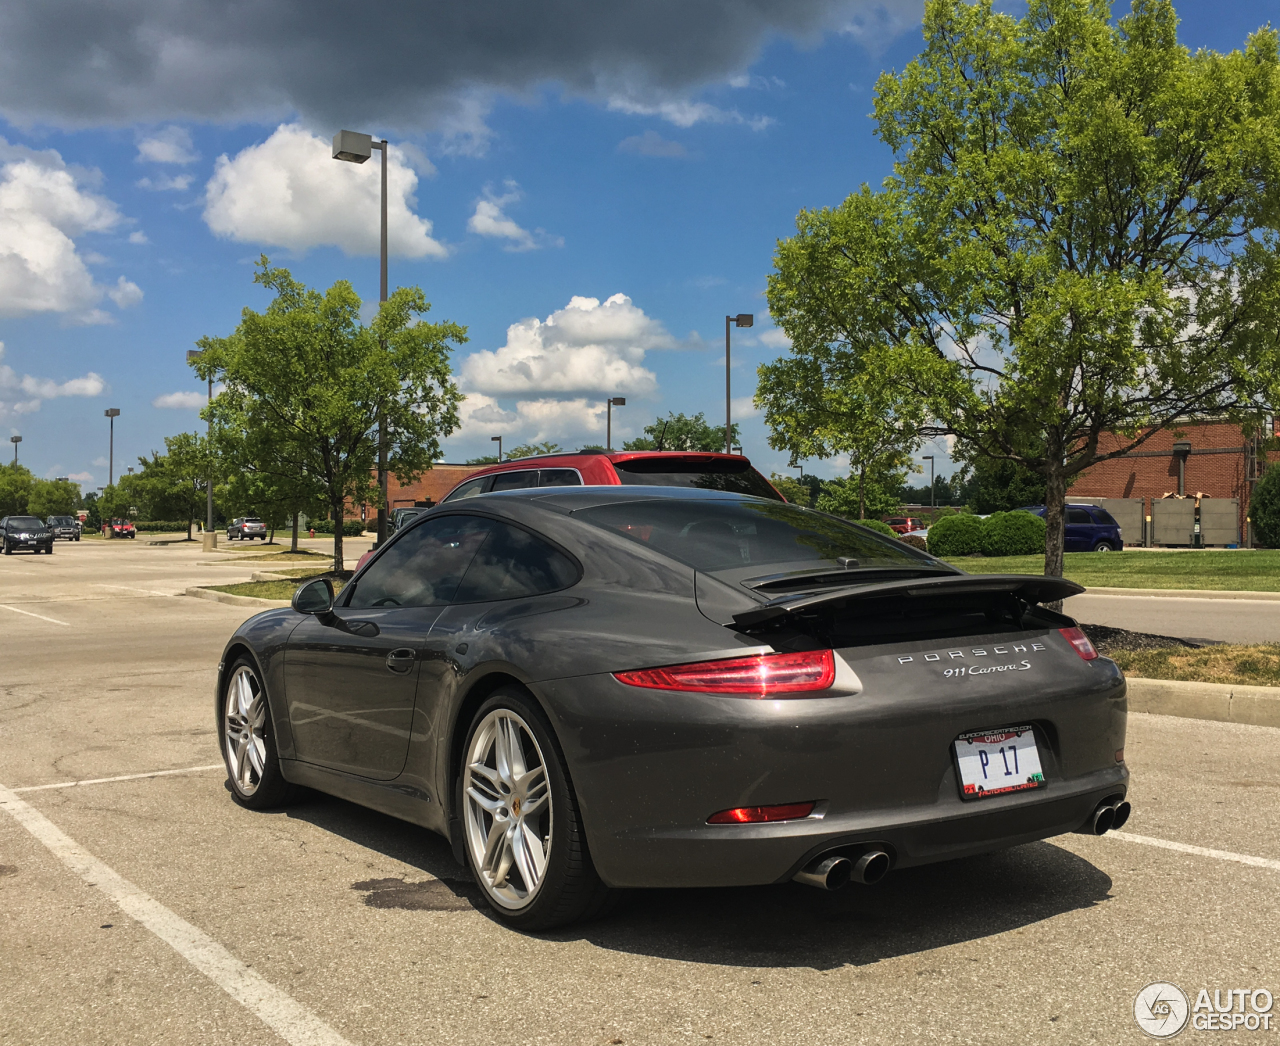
pixel 594 688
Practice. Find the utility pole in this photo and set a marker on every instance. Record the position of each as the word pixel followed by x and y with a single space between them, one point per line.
pixel 112 413
pixel 609 404
pixel 743 319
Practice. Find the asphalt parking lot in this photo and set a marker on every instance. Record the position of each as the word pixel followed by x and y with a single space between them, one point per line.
pixel 152 909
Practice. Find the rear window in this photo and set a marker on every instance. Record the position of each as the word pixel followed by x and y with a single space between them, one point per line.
pixel 1105 517
pixel 734 477
pixel 720 535
pixel 252 519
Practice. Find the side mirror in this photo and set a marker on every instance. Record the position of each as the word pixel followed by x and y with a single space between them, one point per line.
pixel 314 597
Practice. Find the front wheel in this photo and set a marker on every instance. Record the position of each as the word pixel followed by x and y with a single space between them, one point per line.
pixel 248 741
pixel 522 831
pixel 1104 546
pixel 8 551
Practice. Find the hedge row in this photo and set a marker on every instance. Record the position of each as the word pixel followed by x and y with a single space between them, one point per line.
pixel 351 528
pixel 159 526
pixel 1000 534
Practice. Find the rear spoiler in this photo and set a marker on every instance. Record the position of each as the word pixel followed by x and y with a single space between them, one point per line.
pixel 1030 588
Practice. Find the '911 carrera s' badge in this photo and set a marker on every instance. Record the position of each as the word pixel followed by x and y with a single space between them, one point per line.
pixel 977 651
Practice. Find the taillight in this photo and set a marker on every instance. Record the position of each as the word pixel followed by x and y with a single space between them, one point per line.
pixel 765 675
pixel 762 814
pixel 1080 641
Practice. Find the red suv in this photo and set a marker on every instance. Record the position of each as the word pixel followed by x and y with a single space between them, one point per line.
pixel 904 524
pixel 119 528
pixel 650 468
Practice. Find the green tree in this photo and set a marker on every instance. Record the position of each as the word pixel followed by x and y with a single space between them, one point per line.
pixel 528 450
pixel 1264 508
pixel 1079 236
pixel 16 484
pixel 998 486
pixel 487 459
pixel 53 497
pixel 679 432
pixel 803 491
pixel 305 383
pixel 865 494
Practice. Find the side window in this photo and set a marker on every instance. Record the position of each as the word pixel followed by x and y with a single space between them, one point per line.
pixel 424 567
pixel 1078 515
pixel 514 563
pixel 515 480
pixel 559 478
pixel 469 490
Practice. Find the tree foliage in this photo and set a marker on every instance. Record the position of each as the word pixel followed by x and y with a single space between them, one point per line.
pixel 528 450
pixel 1079 238
pixel 680 432
pixel 998 486
pixel 306 381
pixel 1264 508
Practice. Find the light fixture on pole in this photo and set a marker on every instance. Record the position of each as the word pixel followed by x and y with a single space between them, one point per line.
pixel 112 413
pixel 929 459
pixel 355 147
pixel 195 354
pixel 15 440
pixel 743 319
pixel 609 404
pixel 498 441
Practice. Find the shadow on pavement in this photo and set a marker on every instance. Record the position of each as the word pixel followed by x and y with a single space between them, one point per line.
pixel 790 925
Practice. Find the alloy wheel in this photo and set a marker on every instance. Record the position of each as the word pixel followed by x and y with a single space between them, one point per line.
pixel 507 808
pixel 244 726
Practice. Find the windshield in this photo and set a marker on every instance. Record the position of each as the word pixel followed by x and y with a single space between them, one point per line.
pixel 62 521
pixel 736 476
pixel 759 537
pixel 25 523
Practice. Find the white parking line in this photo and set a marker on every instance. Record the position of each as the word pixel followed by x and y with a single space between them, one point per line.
pixel 1198 851
pixel 123 777
pixel 52 620
pixel 130 588
pixel 287 1017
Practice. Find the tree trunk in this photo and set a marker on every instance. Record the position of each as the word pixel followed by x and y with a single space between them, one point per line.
pixel 862 486
pixel 337 514
pixel 272 540
pixel 1055 494
pixel 293 547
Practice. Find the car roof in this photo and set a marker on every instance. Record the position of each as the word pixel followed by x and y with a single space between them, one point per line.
pixel 570 499
pixel 566 459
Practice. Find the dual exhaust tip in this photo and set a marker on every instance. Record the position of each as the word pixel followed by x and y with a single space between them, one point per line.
pixel 833 872
pixel 1110 815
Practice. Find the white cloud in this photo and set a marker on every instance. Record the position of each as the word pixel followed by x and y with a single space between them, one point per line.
pixel 44 205
pixel 138 237
pixel 81 477
pixel 181 400
pixel 585 347
pixel 743 407
pixel 875 26
pixel 684 113
pixel 651 143
pixel 567 422
pixel 100 462
pixel 168 145
pixel 125 293
pixel 166 183
pixel 289 192
pixel 775 339
pixel 40 389
pixel 489 219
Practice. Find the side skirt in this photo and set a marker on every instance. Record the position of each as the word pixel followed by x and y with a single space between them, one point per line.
pixel 397 800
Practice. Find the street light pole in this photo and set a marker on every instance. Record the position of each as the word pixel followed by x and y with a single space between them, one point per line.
pixel 498 441
pixel 929 459
pixel 355 147
pixel 15 440
pixel 193 354
pixel 112 413
pixel 609 404
pixel 743 319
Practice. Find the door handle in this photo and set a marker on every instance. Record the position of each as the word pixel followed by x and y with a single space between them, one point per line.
pixel 401 660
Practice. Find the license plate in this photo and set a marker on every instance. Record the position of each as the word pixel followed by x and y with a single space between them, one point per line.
pixel 996 762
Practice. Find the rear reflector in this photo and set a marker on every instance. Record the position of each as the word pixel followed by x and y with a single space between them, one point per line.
pixel 766 675
pixel 761 814
pixel 1080 641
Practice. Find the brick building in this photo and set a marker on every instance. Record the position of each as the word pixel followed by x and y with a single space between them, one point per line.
pixel 431 486
pixel 1209 458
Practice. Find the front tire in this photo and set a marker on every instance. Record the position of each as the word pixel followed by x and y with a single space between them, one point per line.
pixel 248 741
pixel 522 830
pixel 1104 546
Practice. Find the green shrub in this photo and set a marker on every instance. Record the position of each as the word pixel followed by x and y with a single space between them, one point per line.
pixel 876 525
pixel 159 526
pixel 351 528
pixel 915 541
pixel 1264 508
pixel 958 535
pixel 1013 534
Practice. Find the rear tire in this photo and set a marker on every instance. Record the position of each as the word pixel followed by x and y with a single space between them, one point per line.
pixel 535 870
pixel 247 737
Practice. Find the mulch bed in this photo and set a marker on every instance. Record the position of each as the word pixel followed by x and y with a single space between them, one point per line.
pixel 1109 640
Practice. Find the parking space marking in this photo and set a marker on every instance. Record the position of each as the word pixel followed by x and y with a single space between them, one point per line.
pixel 130 588
pixel 1198 851
pixel 122 777
pixel 53 620
pixel 287 1017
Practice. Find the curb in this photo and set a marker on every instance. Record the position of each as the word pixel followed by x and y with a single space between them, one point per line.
pixel 236 601
pixel 1218 702
pixel 1182 593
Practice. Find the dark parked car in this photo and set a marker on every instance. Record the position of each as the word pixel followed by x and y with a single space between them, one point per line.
pixel 606 687
pixel 246 528
pixel 1087 528
pixel 64 527
pixel 119 528
pixel 25 532
pixel 401 516
pixel 730 472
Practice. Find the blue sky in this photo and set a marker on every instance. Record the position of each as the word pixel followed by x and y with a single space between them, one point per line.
pixel 643 152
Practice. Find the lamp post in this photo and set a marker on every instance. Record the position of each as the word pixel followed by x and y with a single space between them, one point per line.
pixel 195 354
pixel 743 319
pixel 15 440
pixel 929 459
pixel 112 413
pixel 355 147
pixel 498 441
pixel 609 404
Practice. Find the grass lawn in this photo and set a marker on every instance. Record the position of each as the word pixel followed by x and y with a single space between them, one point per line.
pixel 1252 571
pixel 1257 665
pixel 266 589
